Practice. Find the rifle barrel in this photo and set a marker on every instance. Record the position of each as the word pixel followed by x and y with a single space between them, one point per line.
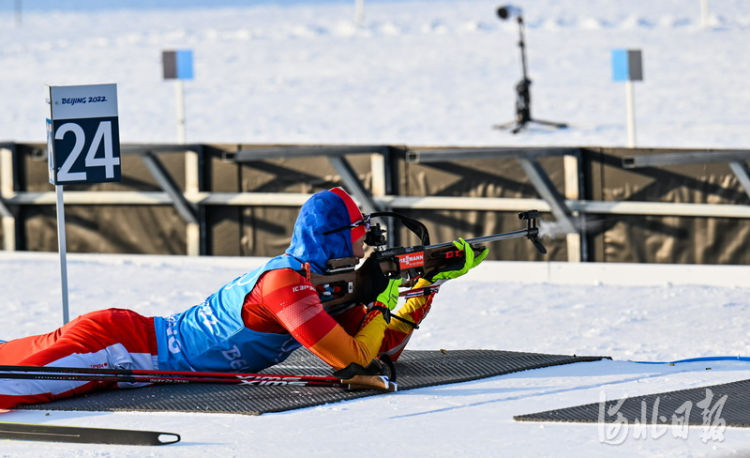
pixel 505 236
pixel 491 238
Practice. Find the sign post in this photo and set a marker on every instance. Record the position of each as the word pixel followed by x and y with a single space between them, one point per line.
pixel 704 13
pixel 178 66
pixel 83 147
pixel 627 66
pixel 359 12
pixel 18 9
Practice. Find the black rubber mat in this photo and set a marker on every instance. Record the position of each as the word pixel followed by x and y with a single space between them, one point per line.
pixel 414 369
pixel 729 403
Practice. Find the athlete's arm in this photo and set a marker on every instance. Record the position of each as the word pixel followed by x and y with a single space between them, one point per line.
pixel 285 301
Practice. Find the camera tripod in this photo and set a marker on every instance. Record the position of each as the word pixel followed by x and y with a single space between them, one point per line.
pixel 523 95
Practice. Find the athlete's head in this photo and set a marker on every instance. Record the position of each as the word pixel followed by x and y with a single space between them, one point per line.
pixel 329 226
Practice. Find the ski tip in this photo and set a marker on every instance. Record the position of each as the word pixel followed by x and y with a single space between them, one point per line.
pixel 167 438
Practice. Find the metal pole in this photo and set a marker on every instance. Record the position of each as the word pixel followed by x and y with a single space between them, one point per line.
pixel 19 8
pixel 704 13
pixel 522 45
pixel 62 248
pixel 630 102
pixel 192 230
pixel 180 103
pixel 359 12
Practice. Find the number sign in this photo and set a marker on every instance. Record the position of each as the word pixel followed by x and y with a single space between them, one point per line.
pixel 83 134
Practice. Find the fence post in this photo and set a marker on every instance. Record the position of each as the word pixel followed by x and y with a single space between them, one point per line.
pixel 377 167
pixel 572 192
pixel 192 236
pixel 6 190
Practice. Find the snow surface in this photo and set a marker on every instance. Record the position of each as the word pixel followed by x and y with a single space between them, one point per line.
pixel 657 321
pixel 418 73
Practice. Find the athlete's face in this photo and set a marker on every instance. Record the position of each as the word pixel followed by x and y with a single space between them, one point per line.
pixel 358 246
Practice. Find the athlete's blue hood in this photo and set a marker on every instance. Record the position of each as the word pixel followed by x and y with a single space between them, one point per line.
pixel 323 211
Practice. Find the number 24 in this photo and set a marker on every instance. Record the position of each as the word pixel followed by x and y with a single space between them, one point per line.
pixel 103 134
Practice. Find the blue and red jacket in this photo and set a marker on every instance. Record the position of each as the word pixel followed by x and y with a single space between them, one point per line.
pixel 259 318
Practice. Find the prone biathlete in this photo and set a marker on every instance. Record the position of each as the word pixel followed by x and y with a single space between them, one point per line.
pixel 253 322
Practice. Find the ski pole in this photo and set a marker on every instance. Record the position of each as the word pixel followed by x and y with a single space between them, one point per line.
pixel 356 382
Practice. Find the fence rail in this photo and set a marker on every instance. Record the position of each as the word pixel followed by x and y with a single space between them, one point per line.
pixel 566 206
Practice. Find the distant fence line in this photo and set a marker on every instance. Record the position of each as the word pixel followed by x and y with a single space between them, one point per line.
pixel 230 199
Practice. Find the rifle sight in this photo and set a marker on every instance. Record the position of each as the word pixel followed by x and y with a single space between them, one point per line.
pixel 375 236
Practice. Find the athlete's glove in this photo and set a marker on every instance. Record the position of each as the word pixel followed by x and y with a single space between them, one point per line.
pixel 389 296
pixel 470 261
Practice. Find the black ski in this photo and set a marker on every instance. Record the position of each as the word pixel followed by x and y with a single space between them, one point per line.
pixel 84 435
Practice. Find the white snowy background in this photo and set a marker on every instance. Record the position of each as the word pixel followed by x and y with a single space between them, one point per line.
pixel 416 73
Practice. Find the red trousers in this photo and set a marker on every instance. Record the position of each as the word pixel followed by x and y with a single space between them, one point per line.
pixel 112 338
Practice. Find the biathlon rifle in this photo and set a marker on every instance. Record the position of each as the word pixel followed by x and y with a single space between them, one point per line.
pixel 344 284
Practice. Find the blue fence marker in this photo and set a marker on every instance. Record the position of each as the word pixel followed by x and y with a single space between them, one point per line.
pixel 185 64
pixel 620 65
pixel 178 64
pixel 627 65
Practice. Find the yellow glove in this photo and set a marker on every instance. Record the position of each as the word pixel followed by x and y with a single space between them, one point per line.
pixel 389 296
pixel 470 261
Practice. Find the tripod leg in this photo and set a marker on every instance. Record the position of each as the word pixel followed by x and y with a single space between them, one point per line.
pixel 505 125
pixel 514 126
pixel 559 125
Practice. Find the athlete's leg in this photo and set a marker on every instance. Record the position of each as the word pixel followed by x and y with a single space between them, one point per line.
pixel 112 338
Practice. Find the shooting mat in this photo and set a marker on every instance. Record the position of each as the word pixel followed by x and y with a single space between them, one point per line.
pixel 704 406
pixel 415 369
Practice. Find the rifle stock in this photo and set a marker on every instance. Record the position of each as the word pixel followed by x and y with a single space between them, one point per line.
pixel 337 289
